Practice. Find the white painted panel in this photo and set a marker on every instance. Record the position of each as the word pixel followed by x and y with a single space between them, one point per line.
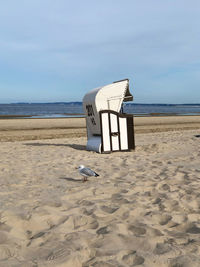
pixel 114 129
pixel 105 132
pixel 113 120
pixel 115 143
pixel 123 133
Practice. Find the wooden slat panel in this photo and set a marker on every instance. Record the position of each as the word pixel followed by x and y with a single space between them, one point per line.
pixel 114 129
pixel 105 132
pixel 123 133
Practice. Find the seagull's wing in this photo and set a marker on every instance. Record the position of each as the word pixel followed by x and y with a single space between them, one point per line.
pixel 88 172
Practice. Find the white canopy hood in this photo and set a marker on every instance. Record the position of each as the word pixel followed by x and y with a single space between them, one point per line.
pixel 108 97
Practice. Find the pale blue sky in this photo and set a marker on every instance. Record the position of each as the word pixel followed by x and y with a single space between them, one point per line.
pixel 58 50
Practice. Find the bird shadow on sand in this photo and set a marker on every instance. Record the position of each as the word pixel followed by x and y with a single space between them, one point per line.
pixel 71 179
pixel 74 146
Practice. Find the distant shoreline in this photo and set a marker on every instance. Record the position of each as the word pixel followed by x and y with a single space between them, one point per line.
pixel 80 103
pixel 53 116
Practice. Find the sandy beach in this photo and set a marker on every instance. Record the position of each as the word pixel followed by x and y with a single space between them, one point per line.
pixel 34 129
pixel 143 209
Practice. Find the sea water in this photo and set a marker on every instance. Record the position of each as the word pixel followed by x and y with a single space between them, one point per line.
pixel 75 109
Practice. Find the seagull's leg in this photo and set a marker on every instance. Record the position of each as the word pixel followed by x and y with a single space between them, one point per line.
pixel 84 179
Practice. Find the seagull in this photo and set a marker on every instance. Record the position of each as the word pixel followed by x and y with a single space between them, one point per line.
pixel 86 172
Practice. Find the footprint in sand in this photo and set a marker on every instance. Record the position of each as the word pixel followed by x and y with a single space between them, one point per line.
pixel 183 261
pixel 165 219
pixel 109 209
pixel 103 230
pixel 133 259
pixel 137 230
pixel 59 253
pixel 124 191
pixel 87 212
pixel 164 187
pixel 156 201
pixel 119 199
pixel 79 222
pixel 84 223
pixel 101 264
pixel 189 228
pixel 162 248
pixel 154 232
pixel 162 219
pixel 93 224
pixel 85 202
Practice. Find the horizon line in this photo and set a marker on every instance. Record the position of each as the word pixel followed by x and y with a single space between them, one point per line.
pixel 79 102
